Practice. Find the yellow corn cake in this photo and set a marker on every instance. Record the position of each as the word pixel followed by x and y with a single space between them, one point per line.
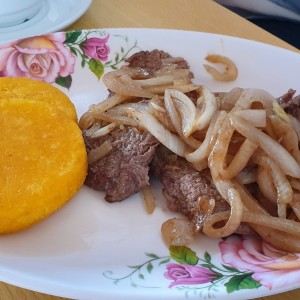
pixel 13 87
pixel 42 162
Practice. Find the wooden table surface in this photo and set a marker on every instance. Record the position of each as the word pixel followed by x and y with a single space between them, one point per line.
pixel 196 15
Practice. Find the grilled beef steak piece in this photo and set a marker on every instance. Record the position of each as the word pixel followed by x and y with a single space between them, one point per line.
pixel 152 61
pixel 290 103
pixel 124 170
pixel 183 186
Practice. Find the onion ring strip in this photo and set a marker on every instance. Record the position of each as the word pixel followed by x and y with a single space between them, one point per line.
pixel 209 105
pixel 230 73
pixel 240 160
pixel 295 205
pixel 250 95
pixel 121 82
pixel 150 123
pixel 233 218
pixel 148 198
pixel 257 117
pixel 185 108
pixel 295 184
pixel 103 130
pixel 99 152
pixel 284 225
pixel 265 184
pixel 281 183
pixel 176 121
pixel 278 153
pixel 275 237
pixel 225 187
pixel 218 154
pixel 201 154
pixel 287 136
pixel 89 117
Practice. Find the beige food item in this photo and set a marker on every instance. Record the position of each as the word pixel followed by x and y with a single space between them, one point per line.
pixel 229 74
pixel 13 87
pixel 43 162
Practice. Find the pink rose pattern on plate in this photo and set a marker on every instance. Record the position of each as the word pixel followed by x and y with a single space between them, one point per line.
pixel 246 262
pixel 182 274
pixel 271 267
pixel 52 58
pixel 96 48
pixel 40 57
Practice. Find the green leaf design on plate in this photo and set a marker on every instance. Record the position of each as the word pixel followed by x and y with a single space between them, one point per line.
pixel 230 269
pixel 165 261
pixel 152 255
pixel 149 267
pixel 96 67
pixel 72 36
pixel 241 282
pixel 73 50
pixel 207 257
pixel 183 255
pixel 65 82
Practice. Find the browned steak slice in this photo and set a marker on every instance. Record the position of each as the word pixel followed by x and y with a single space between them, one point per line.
pixel 152 61
pixel 123 171
pixel 290 103
pixel 183 186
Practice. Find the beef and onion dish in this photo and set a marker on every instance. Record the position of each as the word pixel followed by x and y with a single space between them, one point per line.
pixel 227 161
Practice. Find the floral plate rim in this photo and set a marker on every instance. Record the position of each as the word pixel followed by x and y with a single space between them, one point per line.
pixel 54 58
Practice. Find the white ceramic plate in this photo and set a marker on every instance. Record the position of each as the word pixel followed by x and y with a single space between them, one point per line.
pixel 91 249
pixel 54 15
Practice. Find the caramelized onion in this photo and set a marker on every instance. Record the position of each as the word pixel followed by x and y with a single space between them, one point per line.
pixel 208 104
pixel 278 153
pixel 225 187
pixel 240 160
pixel 99 152
pixel 103 130
pixel 266 185
pixel 177 232
pixel 192 118
pixel 150 123
pixel 230 73
pixel 121 83
pixel 287 136
pixel 88 118
pixel 276 238
pixel 251 95
pixel 201 154
pixel 186 109
pixel 227 101
pixel 176 121
pixel 223 132
pixel 149 199
pixel 257 117
pixel 233 218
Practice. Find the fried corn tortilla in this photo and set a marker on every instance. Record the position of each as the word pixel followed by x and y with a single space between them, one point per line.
pixel 13 87
pixel 42 162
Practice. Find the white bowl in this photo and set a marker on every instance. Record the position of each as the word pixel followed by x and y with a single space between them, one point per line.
pixel 13 12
